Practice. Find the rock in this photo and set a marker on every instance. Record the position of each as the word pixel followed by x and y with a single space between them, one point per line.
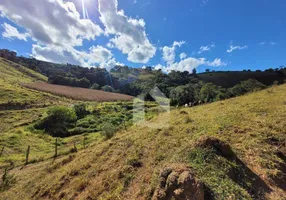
pixel 179 183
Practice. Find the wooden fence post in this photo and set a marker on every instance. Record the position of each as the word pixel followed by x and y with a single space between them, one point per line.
pixel 56 148
pixel 2 150
pixel 27 155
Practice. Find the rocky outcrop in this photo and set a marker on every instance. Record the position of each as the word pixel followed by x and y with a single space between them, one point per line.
pixel 179 183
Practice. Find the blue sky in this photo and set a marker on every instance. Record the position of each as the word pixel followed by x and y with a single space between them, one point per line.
pixel 171 35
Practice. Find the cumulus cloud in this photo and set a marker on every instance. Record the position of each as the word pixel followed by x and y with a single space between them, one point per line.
pixel 190 63
pixel 272 43
pixel 130 36
pixel 233 48
pixel 56 28
pixel 206 48
pixel 169 52
pixel 186 63
pixel 12 32
pixel 96 56
pixel 52 22
pixel 183 56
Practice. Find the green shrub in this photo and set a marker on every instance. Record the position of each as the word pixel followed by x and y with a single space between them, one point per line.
pixel 95 86
pixel 80 110
pixel 58 121
pixel 108 130
pixel 107 88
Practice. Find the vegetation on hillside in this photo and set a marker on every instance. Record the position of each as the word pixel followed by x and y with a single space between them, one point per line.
pixel 232 148
pixel 135 81
pixel 235 147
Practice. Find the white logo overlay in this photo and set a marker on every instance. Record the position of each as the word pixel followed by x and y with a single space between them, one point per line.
pixel 139 109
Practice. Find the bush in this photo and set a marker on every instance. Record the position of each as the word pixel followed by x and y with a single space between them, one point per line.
pixel 108 130
pixel 95 86
pixel 58 121
pixel 107 88
pixel 80 110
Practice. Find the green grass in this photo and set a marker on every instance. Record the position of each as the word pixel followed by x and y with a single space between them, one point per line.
pixel 110 170
pixel 21 108
pixel 127 166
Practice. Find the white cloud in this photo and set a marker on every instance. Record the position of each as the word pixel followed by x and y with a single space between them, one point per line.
pixel 56 27
pixel 233 48
pixel 216 63
pixel 169 52
pixel 190 63
pixel 206 48
pixel 11 32
pixel 52 22
pixel 186 63
pixel 96 56
pixel 183 56
pixel 56 54
pixel 130 36
pixel 271 43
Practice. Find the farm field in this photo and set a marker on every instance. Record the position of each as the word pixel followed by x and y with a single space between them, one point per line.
pixel 77 93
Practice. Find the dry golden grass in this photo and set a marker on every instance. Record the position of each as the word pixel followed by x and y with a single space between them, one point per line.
pixel 253 125
pixel 78 93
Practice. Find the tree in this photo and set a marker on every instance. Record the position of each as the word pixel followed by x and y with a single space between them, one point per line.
pixel 95 86
pixel 208 92
pixel 194 72
pixel 207 70
pixel 58 121
pixel 182 94
pixel 107 88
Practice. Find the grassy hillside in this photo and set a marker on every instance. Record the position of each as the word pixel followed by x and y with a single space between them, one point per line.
pixel 13 95
pixel 21 108
pixel 235 147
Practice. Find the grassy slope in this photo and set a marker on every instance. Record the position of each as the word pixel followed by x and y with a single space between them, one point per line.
pixel 254 125
pixel 12 93
pixel 20 107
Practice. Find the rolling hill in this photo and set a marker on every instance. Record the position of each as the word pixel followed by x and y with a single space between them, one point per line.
pixel 231 149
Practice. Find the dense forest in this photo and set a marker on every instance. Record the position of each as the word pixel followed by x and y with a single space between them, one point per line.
pixel 180 87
